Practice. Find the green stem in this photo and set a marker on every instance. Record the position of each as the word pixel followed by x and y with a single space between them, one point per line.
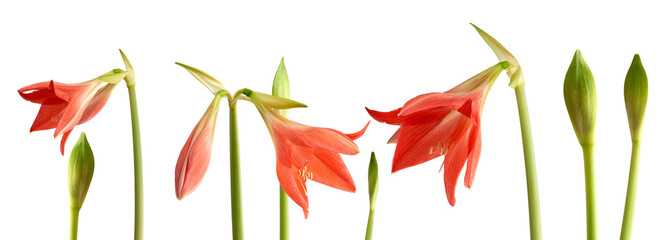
pixel 284 199
pixel 236 195
pixel 284 215
pixel 74 222
pixel 530 165
pixel 591 200
pixel 137 164
pixel 629 213
pixel 369 225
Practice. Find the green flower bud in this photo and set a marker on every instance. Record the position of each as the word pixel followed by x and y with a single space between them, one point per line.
pixel 373 181
pixel 281 84
pixel 80 171
pixel 581 99
pixel 636 91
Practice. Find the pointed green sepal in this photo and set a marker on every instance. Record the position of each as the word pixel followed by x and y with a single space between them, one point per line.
pixel 636 92
pixel 270 100
pixel 514 71
pixel 581 99
pixel 130 77
pixel 373 181
pixel 80 171
pixel 279 102
pixel 115 76
pixel 210 82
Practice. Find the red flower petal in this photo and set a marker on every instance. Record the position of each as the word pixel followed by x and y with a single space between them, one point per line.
pixel 329 169
pixel 423 142
pixel 391 117
pixel 41 93
pixel 48 117
pixel 97 103
pixel 195 155
pixel 474 155
pixel 64 139
pixel 356 135
pixel 314 137
pixel 76 107
pixel 454 162
pixel 433 100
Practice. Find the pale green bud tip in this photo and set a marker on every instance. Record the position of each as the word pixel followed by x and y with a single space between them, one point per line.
pixel 373 179
pixel 636 91
pixel 581 99
pixel 281 81
pixel 80 171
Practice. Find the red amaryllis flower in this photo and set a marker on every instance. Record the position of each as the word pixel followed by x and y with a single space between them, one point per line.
pixel 66 105
pixel 195 155
pixel 305 152
pixel 447 123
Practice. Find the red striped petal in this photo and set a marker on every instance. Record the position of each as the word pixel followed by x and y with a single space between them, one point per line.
pixel 453 164
pixel 474 155
pixel 358 134
pixel 423 142
pixel 195 155
pixel 391 117
pixel 48 117
pixel 329 169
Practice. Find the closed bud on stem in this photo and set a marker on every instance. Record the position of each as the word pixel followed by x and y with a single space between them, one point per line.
pixel 636 91
pixel 373 181
pixel 80 171
pixel 281 84
pixel 581 99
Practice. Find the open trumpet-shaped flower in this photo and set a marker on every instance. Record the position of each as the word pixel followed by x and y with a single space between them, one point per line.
pixel 305 152
pixel 447 123
pixel 66 105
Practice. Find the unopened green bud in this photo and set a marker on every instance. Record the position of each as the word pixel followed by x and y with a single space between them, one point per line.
pixel 636 92
pixel 373 181
pixel 281 84
pixel 581 99
pixel 80 171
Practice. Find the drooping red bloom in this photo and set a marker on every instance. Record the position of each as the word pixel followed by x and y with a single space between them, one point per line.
pixel 305 152
pixel 66 105
pixel 195 155
pixel 447 123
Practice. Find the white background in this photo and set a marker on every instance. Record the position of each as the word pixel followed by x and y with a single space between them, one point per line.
pixel 340 58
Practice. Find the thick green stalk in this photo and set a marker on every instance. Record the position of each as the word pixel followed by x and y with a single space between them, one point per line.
pixel 629 213
pixel 591 199
pixel 284 200
pixel 137 164
pixel 530 165
pixel 369 225
pixel 284 215
pixel 74 222
pixel 236 194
